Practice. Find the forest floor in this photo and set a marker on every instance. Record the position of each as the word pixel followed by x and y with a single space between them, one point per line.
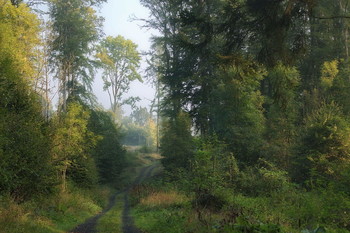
pixel 143 168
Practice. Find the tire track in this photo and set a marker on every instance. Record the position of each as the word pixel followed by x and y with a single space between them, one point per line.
pixel 128 227
pixel 128 221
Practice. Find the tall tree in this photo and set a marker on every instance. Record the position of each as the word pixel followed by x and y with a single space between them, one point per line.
pixel 119 59
pixel 76 27
pixel 165 19
pixel 238 117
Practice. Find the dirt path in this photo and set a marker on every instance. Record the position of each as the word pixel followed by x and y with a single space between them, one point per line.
pixel 128 224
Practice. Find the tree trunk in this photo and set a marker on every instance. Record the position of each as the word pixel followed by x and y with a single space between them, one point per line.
pixel 64 177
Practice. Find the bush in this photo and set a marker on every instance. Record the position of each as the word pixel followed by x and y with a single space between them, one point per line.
pixel 262 180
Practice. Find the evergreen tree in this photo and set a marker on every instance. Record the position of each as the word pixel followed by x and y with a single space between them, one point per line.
pixel 177 146
pixel 108 153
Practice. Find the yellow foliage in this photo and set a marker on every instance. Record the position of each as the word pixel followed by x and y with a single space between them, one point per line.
pixel 152 133
pixel 328 72
pixel 19 35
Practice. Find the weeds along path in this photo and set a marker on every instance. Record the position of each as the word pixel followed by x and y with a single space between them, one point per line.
pixel 128 224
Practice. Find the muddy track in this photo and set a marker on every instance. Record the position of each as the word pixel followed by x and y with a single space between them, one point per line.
pixel 128 227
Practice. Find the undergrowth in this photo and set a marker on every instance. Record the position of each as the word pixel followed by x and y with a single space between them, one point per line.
pixel 57 213
pixel 163 206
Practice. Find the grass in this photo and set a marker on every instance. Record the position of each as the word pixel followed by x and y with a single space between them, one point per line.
pixel 55 214
pixel 111 222
pixel 62 212
pixel 161 210
pixel 170 211
pixel 166 219
pixel 163 199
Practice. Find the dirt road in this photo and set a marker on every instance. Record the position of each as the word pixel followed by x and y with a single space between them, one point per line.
pixel 128 223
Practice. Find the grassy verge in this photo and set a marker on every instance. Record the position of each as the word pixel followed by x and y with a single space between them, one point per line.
pixel 159 207
pixel 159 220
pixel 162 208
pixel 57 214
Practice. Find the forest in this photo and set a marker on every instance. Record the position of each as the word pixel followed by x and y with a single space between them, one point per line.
pixel 249 129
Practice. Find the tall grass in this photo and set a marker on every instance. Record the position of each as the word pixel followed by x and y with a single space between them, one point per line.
pixel 163 199
pixel 57 213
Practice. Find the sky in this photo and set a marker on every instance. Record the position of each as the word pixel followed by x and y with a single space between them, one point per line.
pixel 118 14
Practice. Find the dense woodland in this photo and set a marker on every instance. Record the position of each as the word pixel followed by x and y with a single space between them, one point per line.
pixel 251 113
pixel 256 108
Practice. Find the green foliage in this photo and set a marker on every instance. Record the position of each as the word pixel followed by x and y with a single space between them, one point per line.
pixel 75 28
pixel 261 180
pixel 238 114
pixel 324 150
pixel 119 60
pixel 177 143
pixel 210 166
pixel 161 220
pixel 53 213
pixel 340 89
pixel 133 134
pixel 283 83
pixel 139 128
pixel 25 168
pixel 328 73
pixel 19 34
pixel 211 59
pixel 282 114
pixel 256 130
pixel 108 153
pixel 74 143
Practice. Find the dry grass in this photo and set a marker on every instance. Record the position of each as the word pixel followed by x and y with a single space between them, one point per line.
pixel 12 212
pixel 16 218
pixel 148 158
pixel 163 199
